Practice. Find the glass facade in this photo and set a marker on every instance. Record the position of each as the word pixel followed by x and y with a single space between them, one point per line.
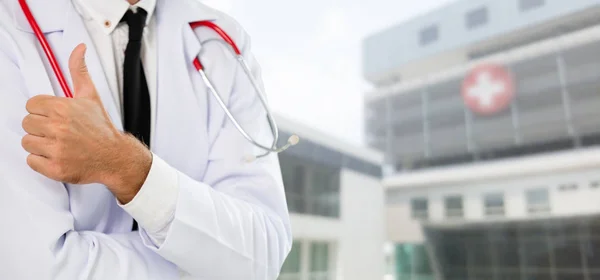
pixel 309 260
pixel 555 108
pixel 310 188
pixel 319 261
pixel 412 262
pixel 554 249
pixel 291 269
pixel 315 153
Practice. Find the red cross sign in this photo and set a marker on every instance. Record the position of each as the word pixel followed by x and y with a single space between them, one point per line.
pixel 488 89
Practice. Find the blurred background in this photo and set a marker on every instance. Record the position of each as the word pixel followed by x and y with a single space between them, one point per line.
pixel 441 139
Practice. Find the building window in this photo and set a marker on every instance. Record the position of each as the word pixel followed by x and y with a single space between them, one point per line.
pixel 476 18
pixel 309 261
pixel 310 187
pixel 291 269
pixel 324 192
pixel 454 206
pixel 412 262
pixel 494 204
pixel 319 261
pixel 428 35
pixel 538 201
pixel 294 175
pixel 419 208
pixel 526 5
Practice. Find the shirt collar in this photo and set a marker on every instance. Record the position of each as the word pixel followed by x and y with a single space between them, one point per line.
pixel 108 13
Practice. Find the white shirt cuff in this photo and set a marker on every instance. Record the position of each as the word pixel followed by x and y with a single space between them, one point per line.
pixel 154 205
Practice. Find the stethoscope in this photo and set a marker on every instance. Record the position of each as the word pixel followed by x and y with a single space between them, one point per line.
pixel 231 46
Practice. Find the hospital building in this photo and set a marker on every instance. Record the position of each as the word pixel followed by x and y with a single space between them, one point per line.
pixel 488 114
pixel 336 202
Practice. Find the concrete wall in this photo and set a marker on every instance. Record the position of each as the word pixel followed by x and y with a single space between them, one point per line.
pixel 400 226
pixel 307 227
pixel 363 229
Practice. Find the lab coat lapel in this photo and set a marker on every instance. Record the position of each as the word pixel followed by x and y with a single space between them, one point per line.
pixel 182 116
pixel 48 14
pixel 37 76
pixel 75 33
pixel 93 207
pixel 56 16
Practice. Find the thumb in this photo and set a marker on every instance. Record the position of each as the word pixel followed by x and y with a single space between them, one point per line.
pixel 82 83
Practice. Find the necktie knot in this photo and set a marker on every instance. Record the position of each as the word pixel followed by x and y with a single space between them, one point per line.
pixel 136 22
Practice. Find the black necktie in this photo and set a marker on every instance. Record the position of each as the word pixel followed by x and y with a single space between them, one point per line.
pixel 136 98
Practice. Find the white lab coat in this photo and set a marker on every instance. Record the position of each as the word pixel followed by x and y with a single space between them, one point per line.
pixel 231 219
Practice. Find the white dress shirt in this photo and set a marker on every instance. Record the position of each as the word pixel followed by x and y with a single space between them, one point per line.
pixel 154 205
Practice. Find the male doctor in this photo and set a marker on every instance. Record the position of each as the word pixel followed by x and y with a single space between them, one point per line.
pixel 142 140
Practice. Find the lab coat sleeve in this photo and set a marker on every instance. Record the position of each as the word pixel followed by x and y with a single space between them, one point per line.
pixel 38 239
pixel 234 223
pixel 154 205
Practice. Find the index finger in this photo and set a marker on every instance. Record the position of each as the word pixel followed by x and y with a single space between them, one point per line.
pixel 40 105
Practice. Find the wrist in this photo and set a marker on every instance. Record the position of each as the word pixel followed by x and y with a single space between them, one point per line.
pixel 129 169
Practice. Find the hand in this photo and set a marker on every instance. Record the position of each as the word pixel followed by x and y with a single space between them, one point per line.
pixel 74 140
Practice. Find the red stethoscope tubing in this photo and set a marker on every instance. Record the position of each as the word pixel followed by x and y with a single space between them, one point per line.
pixel 221 33
pixel 47 49
pixel 54 62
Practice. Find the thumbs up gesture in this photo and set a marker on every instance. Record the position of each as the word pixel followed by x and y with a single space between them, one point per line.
pixel 74 140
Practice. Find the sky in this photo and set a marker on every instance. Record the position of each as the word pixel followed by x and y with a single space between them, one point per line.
pixel 310 54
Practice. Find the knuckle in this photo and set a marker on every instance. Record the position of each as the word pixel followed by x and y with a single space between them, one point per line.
pixel 59 170
pixel 30 161
pixel 33 164
pixel 88 88
pixel 26 141
pixel 60 129
pixel 26 121
pixel 37 101
pixel 31 103
pixel 61 108
pixel 28 105
pixel 62 172
pixel 31 125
